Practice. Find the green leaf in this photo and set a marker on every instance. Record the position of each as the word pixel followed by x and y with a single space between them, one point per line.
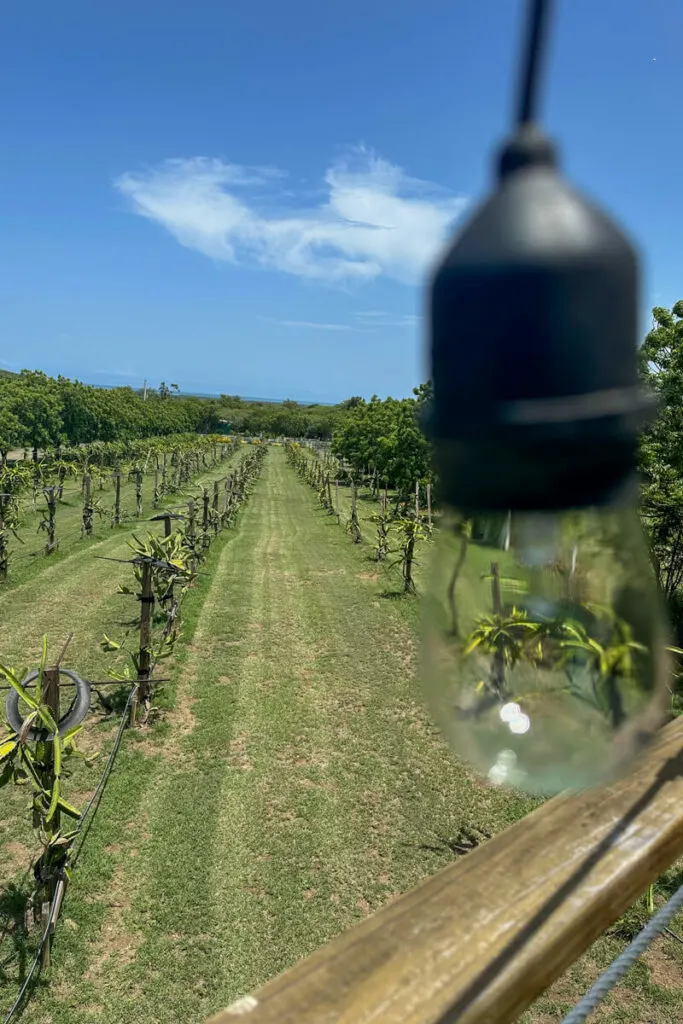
pixel 53 801
pixel 16 685
pixel 7 748
pixel 72 812
pixel 473 644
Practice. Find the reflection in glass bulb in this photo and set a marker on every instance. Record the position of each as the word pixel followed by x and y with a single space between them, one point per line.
pixel 544 644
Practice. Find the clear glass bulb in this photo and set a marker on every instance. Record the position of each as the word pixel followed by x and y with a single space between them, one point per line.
pixel 544 646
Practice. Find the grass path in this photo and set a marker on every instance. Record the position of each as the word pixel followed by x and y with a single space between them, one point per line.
pixel 297 787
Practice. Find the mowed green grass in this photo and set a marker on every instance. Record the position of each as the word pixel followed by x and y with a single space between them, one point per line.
pixel 296 787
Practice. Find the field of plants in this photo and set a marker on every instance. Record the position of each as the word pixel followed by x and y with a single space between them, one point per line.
pixel 282 779
pixel 218 753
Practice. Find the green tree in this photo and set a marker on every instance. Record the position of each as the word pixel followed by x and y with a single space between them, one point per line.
pixel 661 449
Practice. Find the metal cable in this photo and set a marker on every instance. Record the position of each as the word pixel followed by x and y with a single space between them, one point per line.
pixel 531 61
pixel 625 960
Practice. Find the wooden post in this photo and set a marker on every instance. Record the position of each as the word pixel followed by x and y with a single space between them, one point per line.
pixel 329 494
pixel 155 496
pixel 116 521
pixel 336 498
pixel 216 517
pixel 163 473
pixel 498 663
pixel 417 500
pixel 46 750
pixel 87 505
pixel 355 528
pixel 495 589
pixel 51 501
pixel 145 652
pixel 138 494
pixel 4 561
pixel 51 699
pixel 205 517
pixel 429 507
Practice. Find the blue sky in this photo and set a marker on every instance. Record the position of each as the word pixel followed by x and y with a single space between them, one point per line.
pixel 242 196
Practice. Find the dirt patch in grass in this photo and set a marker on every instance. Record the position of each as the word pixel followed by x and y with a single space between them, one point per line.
pixel 237 753
pixel 664 970
pixel 182 718
pixel 115 945
pixel 15 857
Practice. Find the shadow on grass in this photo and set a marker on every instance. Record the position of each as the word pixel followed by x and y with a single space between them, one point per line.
pixel 16 949
pixel 113 700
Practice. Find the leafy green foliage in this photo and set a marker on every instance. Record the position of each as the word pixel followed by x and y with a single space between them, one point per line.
pixel 661 450
pixel 41 764
pixel 386 437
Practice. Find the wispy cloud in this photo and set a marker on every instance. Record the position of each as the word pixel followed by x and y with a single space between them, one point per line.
pixel 313 324
pixel 374 219
pixel 383 318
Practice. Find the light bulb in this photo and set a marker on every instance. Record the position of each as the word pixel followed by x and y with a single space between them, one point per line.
pixel 544 644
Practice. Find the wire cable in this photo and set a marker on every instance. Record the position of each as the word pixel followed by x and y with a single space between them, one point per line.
pixel 616 970
pixel 535 36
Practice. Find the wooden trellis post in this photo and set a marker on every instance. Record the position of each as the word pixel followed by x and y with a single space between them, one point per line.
pixel 429 507
pixel 138 494
pixel 192 530
pixel 163 474
pixel 51 699
pixel 417 500
pixel 354 525
pixel 50 520
pixel 336 499
pixel 216 517
pixel 155 496
pixel 206 502
pixel 145 653
pixel 87 505
pixel 227 498
pixel 4 560
pixel 116 521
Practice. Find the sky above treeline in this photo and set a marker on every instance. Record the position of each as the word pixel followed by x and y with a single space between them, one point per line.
pixel 246 197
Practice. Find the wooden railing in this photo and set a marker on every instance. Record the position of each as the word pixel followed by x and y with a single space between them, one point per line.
pixel 479 941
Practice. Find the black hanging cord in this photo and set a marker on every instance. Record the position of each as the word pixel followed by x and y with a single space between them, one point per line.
pixel 537 21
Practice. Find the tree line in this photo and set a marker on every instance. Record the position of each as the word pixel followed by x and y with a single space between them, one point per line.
pixel 37 411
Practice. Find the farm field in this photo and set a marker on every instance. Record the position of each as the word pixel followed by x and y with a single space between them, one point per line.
pixel 292 784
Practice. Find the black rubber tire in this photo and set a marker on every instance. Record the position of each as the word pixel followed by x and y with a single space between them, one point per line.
pixel 77 712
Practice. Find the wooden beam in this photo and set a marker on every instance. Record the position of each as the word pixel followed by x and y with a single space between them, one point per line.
pixel 478 942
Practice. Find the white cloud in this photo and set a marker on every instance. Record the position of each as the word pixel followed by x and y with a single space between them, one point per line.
pixel 382 318
pixel 316 324
pixel 375 220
